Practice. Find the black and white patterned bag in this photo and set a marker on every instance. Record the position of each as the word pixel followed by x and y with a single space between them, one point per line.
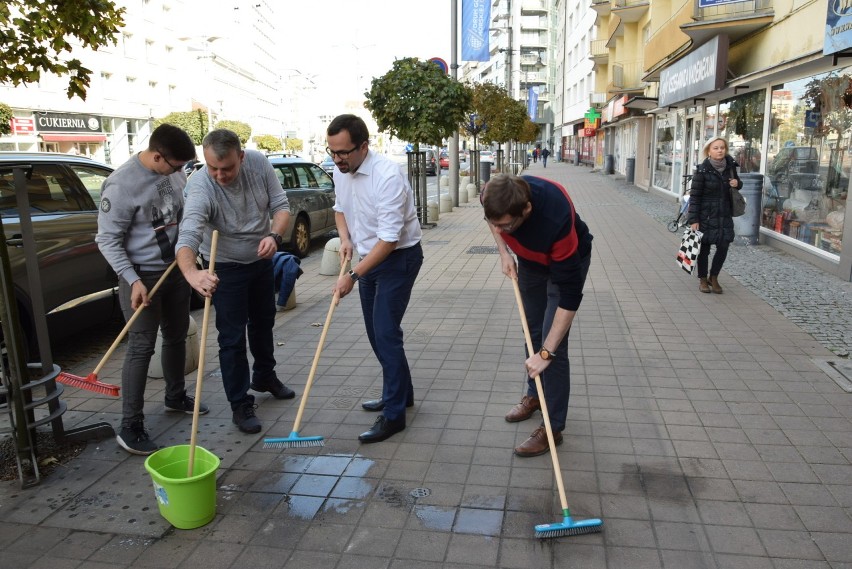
pixel 688 252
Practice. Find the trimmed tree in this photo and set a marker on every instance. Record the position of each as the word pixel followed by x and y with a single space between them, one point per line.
pixel 268 143
pixel 293 145
pixel 5 119
pixel 417 102
pixel 193 122
pixel 35 34
pixel 242 130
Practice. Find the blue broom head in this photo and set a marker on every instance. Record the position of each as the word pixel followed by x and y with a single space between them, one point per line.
pixel 568 527
pixel 293 441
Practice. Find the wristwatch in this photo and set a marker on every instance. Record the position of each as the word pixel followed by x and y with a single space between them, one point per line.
pixel 278 239
pixel 545 354
pixel 354 276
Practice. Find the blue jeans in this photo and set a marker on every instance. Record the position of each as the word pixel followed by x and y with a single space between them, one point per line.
pixel 245 305
pixel 541 299
pixel 169 310
pixel 385 292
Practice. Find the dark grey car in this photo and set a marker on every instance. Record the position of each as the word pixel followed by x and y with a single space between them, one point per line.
pixel 64 194
pixel 310 191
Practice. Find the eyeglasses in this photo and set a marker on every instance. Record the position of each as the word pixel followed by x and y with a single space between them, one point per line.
pixel 507 227
pixel 172 166
pixel 342 154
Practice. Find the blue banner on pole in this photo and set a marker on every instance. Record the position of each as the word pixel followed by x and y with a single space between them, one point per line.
pixel 532 102
pixel 838 27
pixel 476 14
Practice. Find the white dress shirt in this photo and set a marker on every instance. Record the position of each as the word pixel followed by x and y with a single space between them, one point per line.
pixel 378 203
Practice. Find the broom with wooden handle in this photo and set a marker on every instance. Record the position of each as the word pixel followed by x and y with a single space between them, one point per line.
pixel 568 526
pixel 91 382
pixel 294 440
pixel 202 351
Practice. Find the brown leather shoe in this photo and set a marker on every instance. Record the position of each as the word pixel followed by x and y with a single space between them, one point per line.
pixel 703 284
pixel 523 410
pixel 714 283
pixel 537 443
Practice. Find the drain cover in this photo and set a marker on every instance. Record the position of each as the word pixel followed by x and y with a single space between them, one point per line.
pixel 482 250
pixel 419 492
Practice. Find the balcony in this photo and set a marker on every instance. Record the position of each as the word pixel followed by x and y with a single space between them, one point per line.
pixel 533 59
pixel 602 7
pixel 736 20
pixel 534 78
pixel 543 94
pixel 598 51
pixel 530 7
pixel 627 77
pixel 630 10
pixel 597 99
pixel 534 24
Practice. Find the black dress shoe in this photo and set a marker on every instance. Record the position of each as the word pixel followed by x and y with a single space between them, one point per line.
pixel 382 429
pixel 275 387
pixel 379 405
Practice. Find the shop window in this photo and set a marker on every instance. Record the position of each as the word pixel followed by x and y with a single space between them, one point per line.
pixel 741 124
pixel 808 159
pixel 665 151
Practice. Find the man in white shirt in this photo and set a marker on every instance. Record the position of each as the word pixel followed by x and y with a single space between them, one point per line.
pixel 376 218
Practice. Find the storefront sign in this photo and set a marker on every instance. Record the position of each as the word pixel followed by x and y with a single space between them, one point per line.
pixel 592 124
pixel 700 72
pixel 838 27
pixel 23 126
pixel 67 122
pixel 588 132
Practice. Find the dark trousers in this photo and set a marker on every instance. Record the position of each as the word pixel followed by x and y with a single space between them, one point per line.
pixel 718 259
pixel 385 292
pixel 169 310
pixel 245 306
pixel 541 299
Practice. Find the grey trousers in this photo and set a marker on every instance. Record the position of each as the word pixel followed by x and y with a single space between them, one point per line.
pixel 169 310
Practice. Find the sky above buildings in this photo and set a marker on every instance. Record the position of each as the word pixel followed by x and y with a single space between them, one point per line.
pixel 340 45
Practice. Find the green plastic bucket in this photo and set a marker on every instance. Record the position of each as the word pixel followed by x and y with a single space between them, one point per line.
pixel 185 502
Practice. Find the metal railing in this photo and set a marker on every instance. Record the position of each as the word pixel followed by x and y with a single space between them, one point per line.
pixel 735 10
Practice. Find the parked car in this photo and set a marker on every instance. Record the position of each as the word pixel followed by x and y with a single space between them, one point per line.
pixel 78 285
pixel 431 163
pixel 328 165
pixel 444 160
pixel 794 167
pixel 310 191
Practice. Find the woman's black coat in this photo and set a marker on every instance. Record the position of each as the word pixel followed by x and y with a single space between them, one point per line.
pixel 710 201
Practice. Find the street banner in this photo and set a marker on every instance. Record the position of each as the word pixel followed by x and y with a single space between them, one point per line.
pixel 476 14
pixel 532 102
pixel 838 27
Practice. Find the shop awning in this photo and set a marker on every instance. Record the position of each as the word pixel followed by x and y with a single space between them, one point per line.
pixel 71 137
pixel 643 103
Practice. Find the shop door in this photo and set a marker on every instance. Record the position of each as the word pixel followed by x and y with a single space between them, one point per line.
pixel 692 156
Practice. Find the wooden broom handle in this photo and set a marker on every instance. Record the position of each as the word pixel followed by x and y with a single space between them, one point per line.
pixel 131 320
pixel 545 415
pixel 202 352
pixel 334 300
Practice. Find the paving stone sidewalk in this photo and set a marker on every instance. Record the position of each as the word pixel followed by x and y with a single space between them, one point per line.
pixel 701 429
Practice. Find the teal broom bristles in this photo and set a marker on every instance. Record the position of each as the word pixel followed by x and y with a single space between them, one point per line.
pixel 568 527
pixel 293 441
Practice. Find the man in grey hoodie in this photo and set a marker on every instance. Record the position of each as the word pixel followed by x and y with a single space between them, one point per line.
pixel 235 193
pixel 141 206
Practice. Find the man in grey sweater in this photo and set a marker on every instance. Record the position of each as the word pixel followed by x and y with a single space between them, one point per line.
pixel 235 193
pixel 141 206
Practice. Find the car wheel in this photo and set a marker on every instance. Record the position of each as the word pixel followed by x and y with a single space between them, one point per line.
pixel 301 237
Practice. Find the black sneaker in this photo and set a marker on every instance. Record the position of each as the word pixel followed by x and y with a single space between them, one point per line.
pixel 186 405
pixel 245 419
pixel 275 387
pixel 135 440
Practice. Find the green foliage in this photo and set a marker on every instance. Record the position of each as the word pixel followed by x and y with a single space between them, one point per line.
pixel 529 133
pixel 193 122
pixel 293 145
pixel 35 34
pixel 504 116
pixel 268 143
pixel 417 102
pixel 5 119
pixel 243 130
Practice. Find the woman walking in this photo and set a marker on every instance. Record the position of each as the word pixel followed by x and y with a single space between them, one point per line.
pixel 710 209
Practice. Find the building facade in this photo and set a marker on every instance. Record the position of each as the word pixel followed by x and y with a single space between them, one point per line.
pixel 155 68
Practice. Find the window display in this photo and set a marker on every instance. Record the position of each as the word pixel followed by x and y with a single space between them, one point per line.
pixel 808 161
pixel 664 155
pixel 741 124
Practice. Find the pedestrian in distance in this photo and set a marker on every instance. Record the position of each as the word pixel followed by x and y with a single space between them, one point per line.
pixel 544 154
pixel 536 219
pixel 141 207
pixel 235 193
pixel 376 220
pixel 535 155
pixel 711 210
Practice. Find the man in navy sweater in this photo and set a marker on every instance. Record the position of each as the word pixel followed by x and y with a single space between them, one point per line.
pixel 536 220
